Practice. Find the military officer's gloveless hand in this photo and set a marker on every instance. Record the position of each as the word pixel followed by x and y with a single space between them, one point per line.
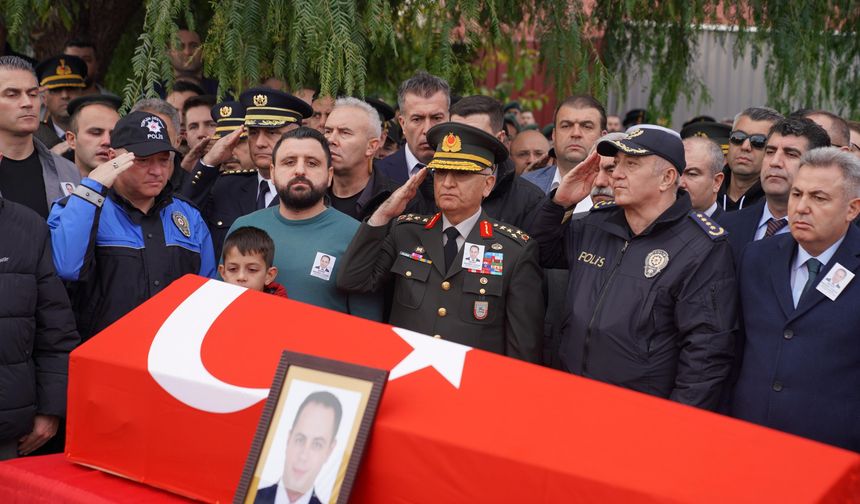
pixel 396 203
pixel 222 150
pixel 576 184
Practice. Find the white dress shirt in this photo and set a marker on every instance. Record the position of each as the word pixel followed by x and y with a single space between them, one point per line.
pixel 411 162
pixel 583 206
pixel 464 228
pixel 710 211
pixel 269 195
pixel 762 224
pixel 799 273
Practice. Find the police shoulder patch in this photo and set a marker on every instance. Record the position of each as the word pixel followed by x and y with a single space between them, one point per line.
pixel 240 171
pixel 511 232
pixel 711 228
pixel 603 205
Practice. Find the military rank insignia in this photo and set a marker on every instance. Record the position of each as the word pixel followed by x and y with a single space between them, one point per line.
pixel 181 223
pixel 655 262
pixel 226 110
pixel 451 143
pixel 261 100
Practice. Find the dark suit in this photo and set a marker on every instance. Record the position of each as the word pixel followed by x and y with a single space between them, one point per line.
pixel 394 167
pixel 267 495
pixel 801 366
pixel 741 225
pixel 222 197
pixel 497 313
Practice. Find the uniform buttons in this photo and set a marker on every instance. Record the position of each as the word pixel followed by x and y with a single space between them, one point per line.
pixel 483 280
pixel 156 283
pixel 777 386
pixel 788 334
pixel 446 285
pixel 220 223
pixel 149 235
pixel 409 273
pixel 483 291
pixel 442 312
pixel 437 336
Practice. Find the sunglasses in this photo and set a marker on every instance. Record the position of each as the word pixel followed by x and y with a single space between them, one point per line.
pixel 756 141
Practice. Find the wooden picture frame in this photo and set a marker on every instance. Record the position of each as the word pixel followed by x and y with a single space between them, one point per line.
pixel 294 442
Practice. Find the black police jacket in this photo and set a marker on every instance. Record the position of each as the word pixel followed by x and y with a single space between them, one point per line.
pixel 654 312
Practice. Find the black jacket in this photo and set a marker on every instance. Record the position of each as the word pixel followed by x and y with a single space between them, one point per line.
pixel 37 327
pixel 654 312
pixel 378 189
pixel 753 194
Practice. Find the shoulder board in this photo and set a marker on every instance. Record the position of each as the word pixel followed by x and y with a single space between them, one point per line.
pixel 240 171
pixel 603 205
pixel 511 232
pixel 711 228
pixel 414 218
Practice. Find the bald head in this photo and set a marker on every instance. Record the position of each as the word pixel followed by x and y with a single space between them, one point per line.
pixel 528 147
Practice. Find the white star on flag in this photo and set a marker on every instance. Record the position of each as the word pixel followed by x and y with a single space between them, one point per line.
pixel 446 357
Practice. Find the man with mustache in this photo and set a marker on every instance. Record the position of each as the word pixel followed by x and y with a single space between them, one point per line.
pixel 93 118
pixel 741 187
pixel 787 140
pixel 225 195
pixel 30 174
pixel 304 229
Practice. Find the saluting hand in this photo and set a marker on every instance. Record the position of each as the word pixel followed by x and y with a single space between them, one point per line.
pixel 222 150
pixel 107 172
pixel 196 153
pixel 396 203
pixel 576 184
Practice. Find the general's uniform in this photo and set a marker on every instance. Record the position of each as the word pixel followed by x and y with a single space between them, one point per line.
pixel 224 196
pixel 499 309
pixel 496 306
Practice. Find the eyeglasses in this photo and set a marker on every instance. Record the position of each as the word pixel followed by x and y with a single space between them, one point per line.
pixel 756 141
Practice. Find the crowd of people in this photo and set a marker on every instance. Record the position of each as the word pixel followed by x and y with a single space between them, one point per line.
pixel 711 266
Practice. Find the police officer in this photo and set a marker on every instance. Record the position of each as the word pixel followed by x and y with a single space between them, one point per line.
pixel 63 77
pixel 652 294
pixel 121 236
pixel 457 275
pixel 224 196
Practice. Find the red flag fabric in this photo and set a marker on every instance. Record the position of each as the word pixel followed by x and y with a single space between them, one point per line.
pixel 454 424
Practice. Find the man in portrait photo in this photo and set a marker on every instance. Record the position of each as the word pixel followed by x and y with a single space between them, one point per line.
pixel 323 264
pixel 311 441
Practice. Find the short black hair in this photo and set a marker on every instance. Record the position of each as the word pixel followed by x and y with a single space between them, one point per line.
pixel 583 102
pixel 479 104
pixel 301 133
pixel 182 86
pixel 250 240
pixel 326 399
pixel 205 100
pixel 800 126
pixel 83 43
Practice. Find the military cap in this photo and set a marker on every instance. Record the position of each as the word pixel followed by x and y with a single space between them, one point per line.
pixel 230 116
pixel 385 111
pixel 62 71
pixel 108 100
pixel 718 132
pixel 646 141
pixel 270 108
pixel 635 116
pixel 462 147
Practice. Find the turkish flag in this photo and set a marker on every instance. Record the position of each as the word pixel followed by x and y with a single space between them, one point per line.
pixel 170 395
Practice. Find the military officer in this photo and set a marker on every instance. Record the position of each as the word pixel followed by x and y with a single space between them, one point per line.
pixel 224 196
pixel 63 78
pixel 651 298
pixel 457 275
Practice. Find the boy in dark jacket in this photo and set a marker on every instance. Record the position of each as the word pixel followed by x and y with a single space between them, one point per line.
pixel 247 261
pixel 38 332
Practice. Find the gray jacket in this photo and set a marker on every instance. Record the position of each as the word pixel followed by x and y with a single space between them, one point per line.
pixel 56 171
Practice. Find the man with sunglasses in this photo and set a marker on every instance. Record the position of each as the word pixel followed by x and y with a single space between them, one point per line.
pixel 741 187
pixel 787 141
pixel 438 290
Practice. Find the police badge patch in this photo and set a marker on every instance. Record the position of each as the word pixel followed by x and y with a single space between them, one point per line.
pixel 182 223
pixel 655 261
pixel 481 310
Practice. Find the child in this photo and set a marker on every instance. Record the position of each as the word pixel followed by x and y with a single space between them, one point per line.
pixel 247 261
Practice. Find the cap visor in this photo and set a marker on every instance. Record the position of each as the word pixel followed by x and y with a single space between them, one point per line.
pixel 610 148
pixel 148 148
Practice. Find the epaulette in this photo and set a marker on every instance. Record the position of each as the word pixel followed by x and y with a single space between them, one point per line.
pixel 240 171
pixel 415 218
pixel 711 228
pixel 603 205
pixel 511 232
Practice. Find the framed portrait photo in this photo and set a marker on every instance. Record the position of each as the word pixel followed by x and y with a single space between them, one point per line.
pixel 312 432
